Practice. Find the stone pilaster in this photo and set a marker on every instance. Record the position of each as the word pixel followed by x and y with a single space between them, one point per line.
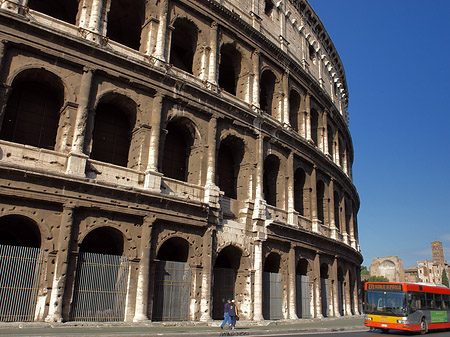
pixel 205 302
pixel 211 190
pixel 317 294
pixel 292 296
pixel 258 290
pixel 255 85
pixel 152 176
pixel 160 50
pixel 212 64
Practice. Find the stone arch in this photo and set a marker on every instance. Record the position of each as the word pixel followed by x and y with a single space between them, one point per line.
pixel 182 134
pixel 183 43
pixel 270 179
pixel 267 89
pixel 33 109
pixel 272 263
pixel 337 210
pixel 65 10
pixel 125 21
pixel 230 67
pixel 299 189
pixel 174 248
pixel 321 200
pixel 230 156
pixel 19 230
pixel 330 137
pixel 294 109
pixel 115 118
pixel 303 291
pixel 325 291
pixel 315 126
pixel 103 240
pixel 272 286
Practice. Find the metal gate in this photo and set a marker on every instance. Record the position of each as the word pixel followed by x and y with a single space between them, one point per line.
pixel 324 294
pixel 303 297
pixel 172 291
pixel 20 268
pixel 224 281
pixel 100 290
pixel 340 299
pixel 272 298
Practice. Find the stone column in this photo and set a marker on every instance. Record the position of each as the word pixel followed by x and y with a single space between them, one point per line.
pixel 258 296
pixel 356 272
pixel 292 214
pixel 285 97
pixel 314 218
pixel 205 302
pixel 348 308
pixel 292 299
pixel 255 89
pixel 325 132
pixel 317 287
pixel 260 204
pixel 5 90
pixel 62 259
pixel 162 31
pixel 333 228
pixel 141 311
pixel 212 69
pixel 211 190
pixel 334 270
pixel 14 5
pixel 95 20
pixel 152 176
pixel 308 116
pixel 77 159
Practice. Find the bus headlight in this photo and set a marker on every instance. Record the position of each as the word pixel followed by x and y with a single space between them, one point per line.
pixel 404 320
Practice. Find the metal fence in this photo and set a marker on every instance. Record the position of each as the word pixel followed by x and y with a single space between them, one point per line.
pixel 272 296
pixel 20 268
pixel 224 281
pixel 100 288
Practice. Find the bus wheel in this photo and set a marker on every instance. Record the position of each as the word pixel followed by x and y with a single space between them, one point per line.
pixel 384 330
pixel 423 326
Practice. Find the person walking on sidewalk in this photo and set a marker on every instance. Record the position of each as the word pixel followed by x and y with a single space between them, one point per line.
pixel 234 314
pixel 226 314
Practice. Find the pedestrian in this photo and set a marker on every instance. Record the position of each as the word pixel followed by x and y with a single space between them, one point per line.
pixel 226 314
pixel 234 314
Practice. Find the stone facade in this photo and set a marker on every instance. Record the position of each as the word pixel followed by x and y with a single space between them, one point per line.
pixel 390 267
pixel 212 134
pixel 430 271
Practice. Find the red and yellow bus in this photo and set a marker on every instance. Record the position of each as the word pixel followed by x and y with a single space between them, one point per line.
pixel 406 306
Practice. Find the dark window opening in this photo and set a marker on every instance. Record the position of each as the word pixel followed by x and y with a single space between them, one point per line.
pixel 174 249
pixel 125 19
pixel 267 90
pixel 271 168
pixel 337 211
pixel 176 152
pixel 32 115
pixel 320 200
pixel 315 126
pixel 272 263
pixel 104 240
pixel 299 186
pixel 112 135
pixel 17 230
pixel 330 140
pixel 229 68
pixel 65 10
pixel 268 7
pixel 323 270
pixel 229 257
pixel 302 267
pixel 294 107
pixel 312 52
pixel 183 45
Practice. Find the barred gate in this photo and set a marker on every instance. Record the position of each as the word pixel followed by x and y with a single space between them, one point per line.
pixel 340 298
pixel 224 281
pixel 172 291
pixel 324 294
pixel 101 283
pixel 272 296
pixel 20 268
pixel 303 296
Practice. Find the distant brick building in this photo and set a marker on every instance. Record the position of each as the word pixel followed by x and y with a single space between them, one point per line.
pixel 390 267
pixel 430 271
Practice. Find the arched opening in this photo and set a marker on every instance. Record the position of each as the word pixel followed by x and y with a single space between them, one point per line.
pixel 20 267
pixel 340 291
pixel 65 10
pixel 177 149
pixel 324 289
pixel 353 289
pixel 32 112
pixel 183 44
pixel 330 136
pixel 17 230
pixel 337 211
pixel 226 267
pixel 100 259
pixel 103 240
pixel 270 179
pixel 172 281
pixel 348 216
pixel 231 153
pixel 303 289
pixel 299 187
pixel 112 133
pixel 229 68
pixel 272 287
pixel 320 191
pixel 267 91
pixel 174 249
pixel 125 21
pixel 315 126
pixel 294 110
pixel 268 7
pixel 341 153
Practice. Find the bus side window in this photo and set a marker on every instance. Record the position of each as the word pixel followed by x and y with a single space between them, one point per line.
pixel 446 302
pixel 414 302
pixel 422 301
pixel 430 301
pixel 438 301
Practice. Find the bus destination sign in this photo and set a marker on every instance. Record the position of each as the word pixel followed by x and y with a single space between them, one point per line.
pixel 388 287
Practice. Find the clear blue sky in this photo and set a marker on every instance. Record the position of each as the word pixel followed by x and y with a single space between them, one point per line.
pixel 396 56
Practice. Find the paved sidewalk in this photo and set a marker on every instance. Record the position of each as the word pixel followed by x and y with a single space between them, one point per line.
pixel 150 329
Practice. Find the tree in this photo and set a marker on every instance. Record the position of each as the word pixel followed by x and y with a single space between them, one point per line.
pixel 445 279
pixel 378 279
pixel 364 271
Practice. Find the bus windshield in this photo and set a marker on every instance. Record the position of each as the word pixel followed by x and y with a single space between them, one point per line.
pixel 386 302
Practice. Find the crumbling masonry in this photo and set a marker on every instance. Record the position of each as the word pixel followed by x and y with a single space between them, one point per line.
pixel 158 157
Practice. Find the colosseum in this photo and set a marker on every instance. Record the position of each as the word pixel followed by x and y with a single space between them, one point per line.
pixel 160 157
